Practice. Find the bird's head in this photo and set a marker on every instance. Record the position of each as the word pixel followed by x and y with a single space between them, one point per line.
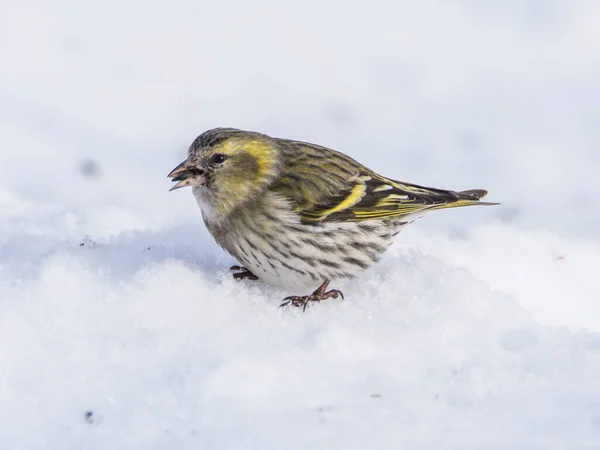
pixel 227 167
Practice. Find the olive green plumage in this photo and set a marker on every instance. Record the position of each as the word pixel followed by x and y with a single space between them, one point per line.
pixel 296 213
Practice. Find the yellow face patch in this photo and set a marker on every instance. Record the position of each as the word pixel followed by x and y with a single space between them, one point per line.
pixel 260 149
pixel 251 163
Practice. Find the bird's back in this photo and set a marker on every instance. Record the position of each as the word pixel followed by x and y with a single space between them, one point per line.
pixel 325 185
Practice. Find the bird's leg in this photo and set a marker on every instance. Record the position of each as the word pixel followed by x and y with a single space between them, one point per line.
pixel 241 273
pixel 320 294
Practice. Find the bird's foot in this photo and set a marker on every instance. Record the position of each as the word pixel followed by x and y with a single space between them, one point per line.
pixel 241 273
pixel 320 294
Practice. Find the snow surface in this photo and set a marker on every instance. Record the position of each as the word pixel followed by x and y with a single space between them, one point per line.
pixel 120 326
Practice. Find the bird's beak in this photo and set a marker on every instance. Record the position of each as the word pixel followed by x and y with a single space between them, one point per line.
pixel 186 175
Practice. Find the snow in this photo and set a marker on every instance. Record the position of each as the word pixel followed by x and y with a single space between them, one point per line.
pixel 120 326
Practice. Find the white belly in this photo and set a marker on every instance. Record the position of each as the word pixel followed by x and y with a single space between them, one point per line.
pixel 284 252
pixel 303 256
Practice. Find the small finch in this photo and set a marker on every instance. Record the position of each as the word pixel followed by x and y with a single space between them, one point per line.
pixel 299 215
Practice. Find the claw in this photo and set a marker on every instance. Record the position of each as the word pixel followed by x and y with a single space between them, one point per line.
pixel 318 295
pixel 242 273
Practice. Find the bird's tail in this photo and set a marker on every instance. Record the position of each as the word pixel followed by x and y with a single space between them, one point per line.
pixel 466 198
pixel 473 193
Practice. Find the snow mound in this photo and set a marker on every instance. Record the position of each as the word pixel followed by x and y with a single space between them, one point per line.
pixel 145 340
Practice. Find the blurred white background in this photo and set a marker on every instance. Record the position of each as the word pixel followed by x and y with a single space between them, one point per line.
pixel 463 94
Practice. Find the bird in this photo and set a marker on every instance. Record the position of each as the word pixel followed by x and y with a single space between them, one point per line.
pixel 298 215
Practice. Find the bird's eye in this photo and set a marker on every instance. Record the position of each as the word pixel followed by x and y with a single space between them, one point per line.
pixel 218 158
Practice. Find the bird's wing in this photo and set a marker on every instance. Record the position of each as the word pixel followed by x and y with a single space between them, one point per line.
pixel 327 186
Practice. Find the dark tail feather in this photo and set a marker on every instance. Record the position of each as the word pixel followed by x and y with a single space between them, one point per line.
pixel 465 198
pixel 472 197
pixel 473 194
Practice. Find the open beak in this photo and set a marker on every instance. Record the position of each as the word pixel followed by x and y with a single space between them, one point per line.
pixel 185 175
